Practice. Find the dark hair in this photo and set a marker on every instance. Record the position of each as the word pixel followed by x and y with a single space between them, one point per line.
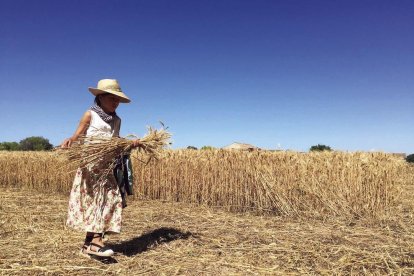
pixel 97 101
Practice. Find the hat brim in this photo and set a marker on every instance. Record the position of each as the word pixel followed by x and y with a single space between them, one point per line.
pixel 122 97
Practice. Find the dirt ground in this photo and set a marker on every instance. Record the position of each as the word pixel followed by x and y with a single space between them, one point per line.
pixel 162 238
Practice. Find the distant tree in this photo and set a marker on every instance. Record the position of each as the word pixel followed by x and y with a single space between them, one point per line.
pixel 410 158
pixel 11 146
pixel 319 147
pixel 36 143
pixel 191 148
pixel 207 148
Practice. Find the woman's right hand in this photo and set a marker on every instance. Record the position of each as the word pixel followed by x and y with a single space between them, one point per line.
pixel 66 143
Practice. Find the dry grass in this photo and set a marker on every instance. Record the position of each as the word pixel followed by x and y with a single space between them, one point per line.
pixel 181 239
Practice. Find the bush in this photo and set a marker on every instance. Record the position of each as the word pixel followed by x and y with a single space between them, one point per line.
pixel 319 147
pixel 10 146
pixel 410 158
pixel 207 148
pixel 36 143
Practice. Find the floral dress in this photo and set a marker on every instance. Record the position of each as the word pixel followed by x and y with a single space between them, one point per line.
pixel 95 202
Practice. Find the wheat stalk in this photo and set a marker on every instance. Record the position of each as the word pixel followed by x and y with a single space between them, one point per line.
pixel 103 152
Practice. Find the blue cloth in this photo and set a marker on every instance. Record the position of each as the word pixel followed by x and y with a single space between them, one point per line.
pixel 124 177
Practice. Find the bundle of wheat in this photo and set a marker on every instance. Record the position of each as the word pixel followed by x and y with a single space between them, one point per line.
pixel 102 152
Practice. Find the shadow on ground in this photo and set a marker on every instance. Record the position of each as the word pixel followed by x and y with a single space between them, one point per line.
pixel 148 240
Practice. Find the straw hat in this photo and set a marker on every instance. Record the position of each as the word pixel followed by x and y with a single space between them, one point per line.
pixel 110 86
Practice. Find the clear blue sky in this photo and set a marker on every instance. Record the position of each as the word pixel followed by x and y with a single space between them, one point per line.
pixel 288 74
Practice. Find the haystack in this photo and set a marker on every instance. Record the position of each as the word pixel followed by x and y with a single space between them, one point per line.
pixel 241 146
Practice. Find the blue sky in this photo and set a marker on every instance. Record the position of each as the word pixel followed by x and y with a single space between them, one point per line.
pixel 277 74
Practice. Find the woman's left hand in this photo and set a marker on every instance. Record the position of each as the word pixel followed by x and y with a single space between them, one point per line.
pixel 136 143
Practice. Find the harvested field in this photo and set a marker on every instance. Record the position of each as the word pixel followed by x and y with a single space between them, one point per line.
pixel 161 238
pixel 359 218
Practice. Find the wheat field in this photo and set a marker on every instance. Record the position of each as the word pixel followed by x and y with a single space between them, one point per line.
pixel 283 183
pixel 317 184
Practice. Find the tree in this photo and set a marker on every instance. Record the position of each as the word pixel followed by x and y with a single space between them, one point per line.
pixel 207 148
pixel 410 158
pixel 191 148
pixel 35 143
pixel 319 147
pixel 11 146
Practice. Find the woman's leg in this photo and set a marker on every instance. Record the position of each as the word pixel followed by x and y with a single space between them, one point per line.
pixel 96 238
pixel 87 242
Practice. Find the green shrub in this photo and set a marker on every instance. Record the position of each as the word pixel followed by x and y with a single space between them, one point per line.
pixel 319 147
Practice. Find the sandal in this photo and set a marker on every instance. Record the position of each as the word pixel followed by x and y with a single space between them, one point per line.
pixel 103 251
pixel 83 252
pixel 105 238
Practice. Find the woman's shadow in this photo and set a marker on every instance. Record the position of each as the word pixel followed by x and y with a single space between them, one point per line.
pixel 149 240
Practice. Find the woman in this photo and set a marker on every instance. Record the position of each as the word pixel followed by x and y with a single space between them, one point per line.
pixel 95 204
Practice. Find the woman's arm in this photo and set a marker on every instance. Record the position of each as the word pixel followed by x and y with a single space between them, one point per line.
pixel 81 130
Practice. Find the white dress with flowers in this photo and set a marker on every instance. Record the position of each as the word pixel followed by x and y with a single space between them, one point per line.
pixel 95 205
